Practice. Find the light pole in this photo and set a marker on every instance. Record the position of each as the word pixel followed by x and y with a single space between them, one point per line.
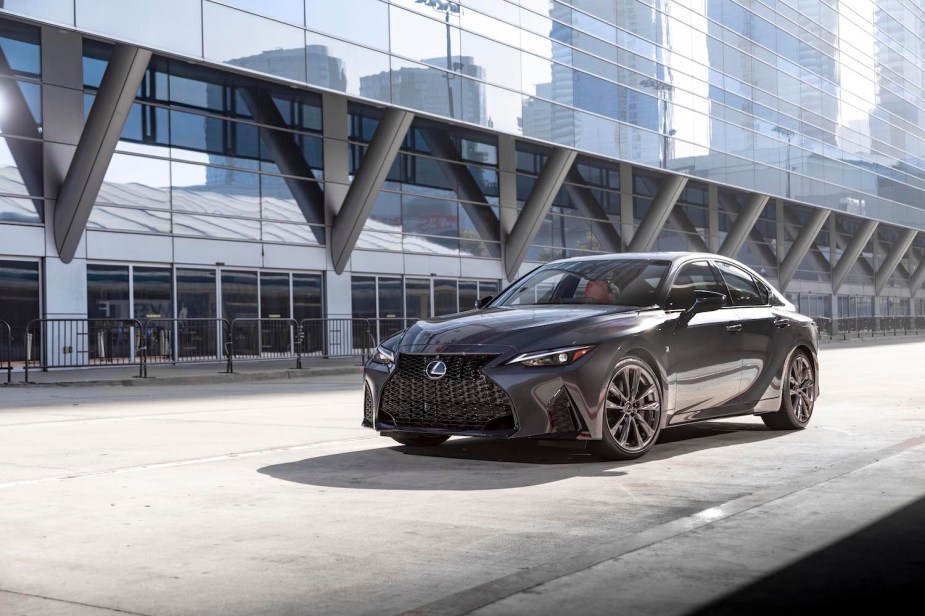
pixel 786 132
pixel 447 8
pixel 662 90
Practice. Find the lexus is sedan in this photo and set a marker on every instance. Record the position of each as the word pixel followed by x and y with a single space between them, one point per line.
pixel 608 349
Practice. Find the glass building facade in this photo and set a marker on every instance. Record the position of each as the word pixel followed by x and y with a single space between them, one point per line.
pixel 255 173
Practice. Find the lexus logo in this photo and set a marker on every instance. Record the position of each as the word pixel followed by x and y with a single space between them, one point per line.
pixel 435 370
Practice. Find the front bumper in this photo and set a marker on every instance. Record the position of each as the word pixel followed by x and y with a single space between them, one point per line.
pixel 482 396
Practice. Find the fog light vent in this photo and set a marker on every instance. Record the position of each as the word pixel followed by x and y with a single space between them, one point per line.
pixel 367 407
pixel 561 412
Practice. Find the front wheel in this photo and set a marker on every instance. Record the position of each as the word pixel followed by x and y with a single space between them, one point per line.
pixel 797 398
pixel 632 412
pixel 418 440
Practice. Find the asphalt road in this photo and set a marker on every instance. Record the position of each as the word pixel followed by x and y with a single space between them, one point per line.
pixel 268 498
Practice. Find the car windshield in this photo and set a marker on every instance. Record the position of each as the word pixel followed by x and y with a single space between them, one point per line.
pixel 615 282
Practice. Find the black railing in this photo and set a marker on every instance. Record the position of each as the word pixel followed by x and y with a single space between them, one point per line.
pixel 77 343
pixel 337 337
pixel 274 338
pixel 6 350
pixel 172 341
pixel 861 327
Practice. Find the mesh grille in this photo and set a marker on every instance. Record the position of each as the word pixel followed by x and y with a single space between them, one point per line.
pixel 368 406
pixel 464 399
pixel 560 412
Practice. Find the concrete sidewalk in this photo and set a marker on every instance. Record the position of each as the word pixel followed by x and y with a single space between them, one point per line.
pixel 186 374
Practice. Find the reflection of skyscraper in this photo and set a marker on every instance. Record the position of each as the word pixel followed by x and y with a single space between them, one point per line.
pixel 430 89
pixel 327 71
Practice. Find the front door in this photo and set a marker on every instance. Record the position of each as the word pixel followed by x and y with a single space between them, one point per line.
pixel 705 355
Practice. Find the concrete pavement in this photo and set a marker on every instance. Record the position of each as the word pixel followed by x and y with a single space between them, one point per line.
pixel 268 498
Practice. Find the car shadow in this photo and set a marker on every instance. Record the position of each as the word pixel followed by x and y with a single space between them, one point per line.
pixel 495 464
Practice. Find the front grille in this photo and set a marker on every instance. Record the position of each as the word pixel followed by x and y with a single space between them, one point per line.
pixel 464 399
pixel 367 407
pixel 560 412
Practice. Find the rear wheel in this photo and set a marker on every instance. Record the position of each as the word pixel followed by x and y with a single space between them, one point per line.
pixel 418 440
pixel 798 396
pixel 632 412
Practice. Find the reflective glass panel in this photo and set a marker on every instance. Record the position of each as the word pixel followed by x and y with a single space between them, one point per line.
pixel 344 23
pixel 136 181
pixel 175 25
pixel 274 295
pixel 284 10
pixel 19 288
pixel 107 292
pixel 446 300
pixel 417 298
pixel 306 297
pixel 196 293
pixel 153 292
pixel 269 46
pixel 346 67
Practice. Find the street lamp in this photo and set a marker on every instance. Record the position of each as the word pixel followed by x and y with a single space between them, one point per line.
pixel 661 87
pixel 447 8
pixel 786 132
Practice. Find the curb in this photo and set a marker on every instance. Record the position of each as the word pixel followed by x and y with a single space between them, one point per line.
pixel 201 379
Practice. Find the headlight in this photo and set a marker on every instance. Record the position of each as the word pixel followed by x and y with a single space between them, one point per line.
pixel 557 357
pixel 383 356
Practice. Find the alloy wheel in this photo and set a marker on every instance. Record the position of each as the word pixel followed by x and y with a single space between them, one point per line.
pixel 801 388
pixel 633 407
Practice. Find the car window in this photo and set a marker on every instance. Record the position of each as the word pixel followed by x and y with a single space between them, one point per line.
pixel 697 276
pixel 617 282
pixel 741 285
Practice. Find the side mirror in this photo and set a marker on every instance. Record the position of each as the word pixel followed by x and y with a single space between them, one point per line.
pixel 704 301
pixel 483 301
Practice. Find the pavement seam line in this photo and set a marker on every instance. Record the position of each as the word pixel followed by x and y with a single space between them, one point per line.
pixel 94 606
pixel 482 595
pixel 205 460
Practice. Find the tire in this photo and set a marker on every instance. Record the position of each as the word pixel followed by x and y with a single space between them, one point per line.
pixel 633 409
pixel 798 396
pixel 418 440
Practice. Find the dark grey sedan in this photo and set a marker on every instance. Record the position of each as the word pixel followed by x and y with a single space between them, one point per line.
pixel 608 349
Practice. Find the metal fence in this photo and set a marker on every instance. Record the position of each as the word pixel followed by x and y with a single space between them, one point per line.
pixel 867 327
pixel 274 338
pixel 74 343
pixel 185 340
pixel 337 337
pixel 6 350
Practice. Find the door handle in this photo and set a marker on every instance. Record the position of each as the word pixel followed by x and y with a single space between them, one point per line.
pixel 781 322
pixel 734 327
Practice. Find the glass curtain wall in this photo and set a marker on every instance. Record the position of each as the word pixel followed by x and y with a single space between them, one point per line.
pixel 205 153
pixel 441 194
pixel 21 175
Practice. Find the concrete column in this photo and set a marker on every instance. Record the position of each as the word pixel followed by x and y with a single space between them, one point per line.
pixel 713 213
pixel 507 187
pixel 627 218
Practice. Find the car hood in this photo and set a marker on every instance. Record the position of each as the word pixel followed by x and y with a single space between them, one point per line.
pixel 520 328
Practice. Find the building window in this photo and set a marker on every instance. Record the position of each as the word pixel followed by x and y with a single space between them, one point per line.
pixel 19 290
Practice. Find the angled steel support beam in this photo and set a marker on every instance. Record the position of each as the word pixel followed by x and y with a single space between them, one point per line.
pixel 681 222
pixel 662 204
pixel 893 258
pixel 880 249
pixel 843 245
pixel 822 262
pixel 754 234
pixel 918 278
pixel 483 218
pixel 744 223
pixel 287 155
pixel 366 184
pixel 535 209
pixel 851 253
pixel 801 245
pixel 588 205
pixel 16 119
pixel 97 143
